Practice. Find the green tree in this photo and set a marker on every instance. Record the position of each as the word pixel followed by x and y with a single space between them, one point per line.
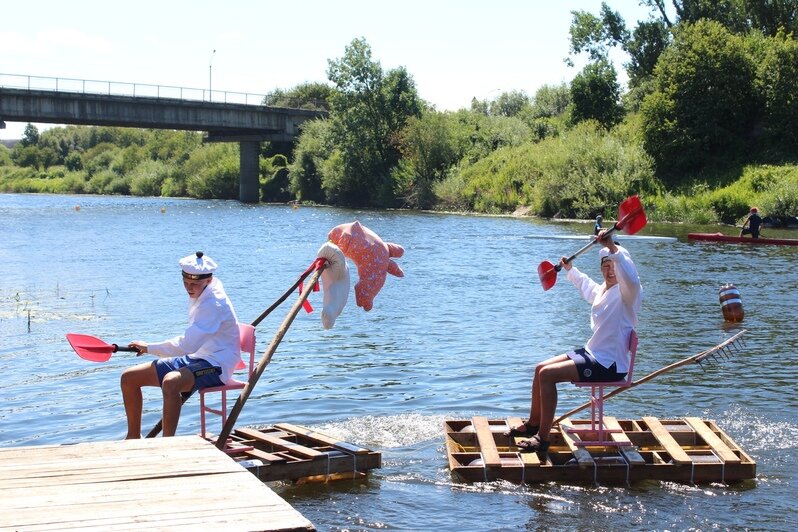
pixel 778 77
pixel 313 147
pixel 704 103
pixel 595 95
pixel 509 103
pixel 368 109
pixel 30 137
pixel 313 96
pixel 429 148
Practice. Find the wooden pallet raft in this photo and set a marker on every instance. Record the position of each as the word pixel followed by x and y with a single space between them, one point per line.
pixel 681 450
pixel 296 453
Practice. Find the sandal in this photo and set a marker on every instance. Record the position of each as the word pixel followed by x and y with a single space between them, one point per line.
pixel 523 430
pixel 533 445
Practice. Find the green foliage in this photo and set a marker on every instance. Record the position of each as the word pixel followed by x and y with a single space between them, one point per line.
pixel 681 209
pixel 274 179
pixel 509 103
pixel 429 147
pixel 213 172
pixel 584 172
pixel 704 103
pixel 778 76
pixel 5 156
pixel 595 95
pixel 30 137
pixel 369 109
pixel 550 101
pixel 314 96
pixel 597 34
pixel 312 149
pixel 147 177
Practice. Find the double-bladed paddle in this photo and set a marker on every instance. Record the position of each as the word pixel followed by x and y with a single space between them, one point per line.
pixel 631 219
pixel 93 349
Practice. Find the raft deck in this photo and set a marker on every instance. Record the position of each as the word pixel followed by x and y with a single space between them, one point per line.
pixel 296 453
pixel 680 450
pixel 180 483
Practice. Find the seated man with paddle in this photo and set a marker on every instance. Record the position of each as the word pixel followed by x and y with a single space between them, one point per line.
pixel 605 357
pixel 205 355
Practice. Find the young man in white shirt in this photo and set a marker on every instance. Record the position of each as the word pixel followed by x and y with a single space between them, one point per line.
pixel 205 355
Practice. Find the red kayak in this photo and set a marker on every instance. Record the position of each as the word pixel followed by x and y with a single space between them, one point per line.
pixel 720 237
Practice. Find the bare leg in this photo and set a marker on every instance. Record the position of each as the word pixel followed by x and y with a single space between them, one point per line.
pixel 535 407
pixel 174 383
pixel 562 369
pixel 131 382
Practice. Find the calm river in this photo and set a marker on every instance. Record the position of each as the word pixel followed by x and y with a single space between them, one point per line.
pixel 458 336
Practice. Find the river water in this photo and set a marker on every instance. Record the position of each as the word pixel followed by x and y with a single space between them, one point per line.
pixel 458 336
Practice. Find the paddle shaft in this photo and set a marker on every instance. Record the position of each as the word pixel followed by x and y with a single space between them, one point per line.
pixel 159 426
pixel 264 361
pixel 689 360
pixel 615 227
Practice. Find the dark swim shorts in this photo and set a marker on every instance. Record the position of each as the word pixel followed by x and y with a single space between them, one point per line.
pixel 205 374
pixel 591 371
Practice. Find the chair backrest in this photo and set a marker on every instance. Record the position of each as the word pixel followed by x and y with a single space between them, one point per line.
pixel 246 335
pixel 632 355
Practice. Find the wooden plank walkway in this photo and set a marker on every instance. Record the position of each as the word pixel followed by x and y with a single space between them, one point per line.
pixel 180 483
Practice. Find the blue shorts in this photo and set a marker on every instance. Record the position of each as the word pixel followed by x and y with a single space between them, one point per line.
pixel 205 374
pixel 590 370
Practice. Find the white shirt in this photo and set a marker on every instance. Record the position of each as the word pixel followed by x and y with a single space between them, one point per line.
pixel 613 315
pixel 212 332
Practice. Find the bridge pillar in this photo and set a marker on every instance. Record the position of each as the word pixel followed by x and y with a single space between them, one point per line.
pixel 249 161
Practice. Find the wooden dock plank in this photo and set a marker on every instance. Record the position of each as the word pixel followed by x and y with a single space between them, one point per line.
pixel 280 443
pixel 582 455
pixel 666 440
pixel 112 498
pixel 629 452
pixel 721 449
pixel 322 438
pixel 490 454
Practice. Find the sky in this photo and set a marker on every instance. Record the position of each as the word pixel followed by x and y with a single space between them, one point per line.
pixel 455 50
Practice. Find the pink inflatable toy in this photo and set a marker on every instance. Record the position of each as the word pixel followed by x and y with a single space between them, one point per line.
pixel 372 257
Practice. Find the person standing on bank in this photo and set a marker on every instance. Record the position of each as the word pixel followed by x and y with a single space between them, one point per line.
pixel 205 355
pixel 605 357
pixel 597 226
pixel 751 224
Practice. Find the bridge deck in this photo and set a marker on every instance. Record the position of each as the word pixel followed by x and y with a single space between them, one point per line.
pixel 175 483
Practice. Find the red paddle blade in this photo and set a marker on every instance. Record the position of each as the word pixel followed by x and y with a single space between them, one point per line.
pixel 631 216
pixel 547 274
pixel 90 348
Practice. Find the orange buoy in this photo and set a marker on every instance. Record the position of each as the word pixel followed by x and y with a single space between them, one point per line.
pixel 730 303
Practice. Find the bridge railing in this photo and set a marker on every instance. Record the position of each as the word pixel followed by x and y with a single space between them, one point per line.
pixel 117 88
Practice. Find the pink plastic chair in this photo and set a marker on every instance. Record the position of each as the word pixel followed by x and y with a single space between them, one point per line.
pixel 247 336
pixel 603 434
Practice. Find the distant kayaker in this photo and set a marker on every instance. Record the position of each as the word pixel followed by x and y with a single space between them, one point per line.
pixel 597 227
pixel 752 224
pixel 205 355
pixel 605 357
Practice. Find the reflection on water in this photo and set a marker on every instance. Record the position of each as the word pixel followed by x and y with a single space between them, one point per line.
pixel 458 336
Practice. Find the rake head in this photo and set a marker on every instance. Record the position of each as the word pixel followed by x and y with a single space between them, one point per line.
pixel 723 351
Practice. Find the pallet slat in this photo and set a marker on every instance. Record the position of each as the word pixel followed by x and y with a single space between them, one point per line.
pixel 490 454
pixel 665 439
pixel 720 448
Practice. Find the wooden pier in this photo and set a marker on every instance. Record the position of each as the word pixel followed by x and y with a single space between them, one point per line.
pixel 181 483
pixel 681 450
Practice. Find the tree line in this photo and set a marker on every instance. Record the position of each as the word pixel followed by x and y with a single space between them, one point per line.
pixel 707 127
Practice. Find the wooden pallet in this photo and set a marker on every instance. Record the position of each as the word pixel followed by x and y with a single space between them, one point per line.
pixel 680 450
pixel 296 453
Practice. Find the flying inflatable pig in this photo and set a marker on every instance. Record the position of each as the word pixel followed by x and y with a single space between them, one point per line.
pixel 372 257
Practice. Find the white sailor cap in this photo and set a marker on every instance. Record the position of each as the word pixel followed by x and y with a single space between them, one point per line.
pixel 197 266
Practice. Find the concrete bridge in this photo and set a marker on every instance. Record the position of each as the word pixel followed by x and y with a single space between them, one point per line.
pixel 225 116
